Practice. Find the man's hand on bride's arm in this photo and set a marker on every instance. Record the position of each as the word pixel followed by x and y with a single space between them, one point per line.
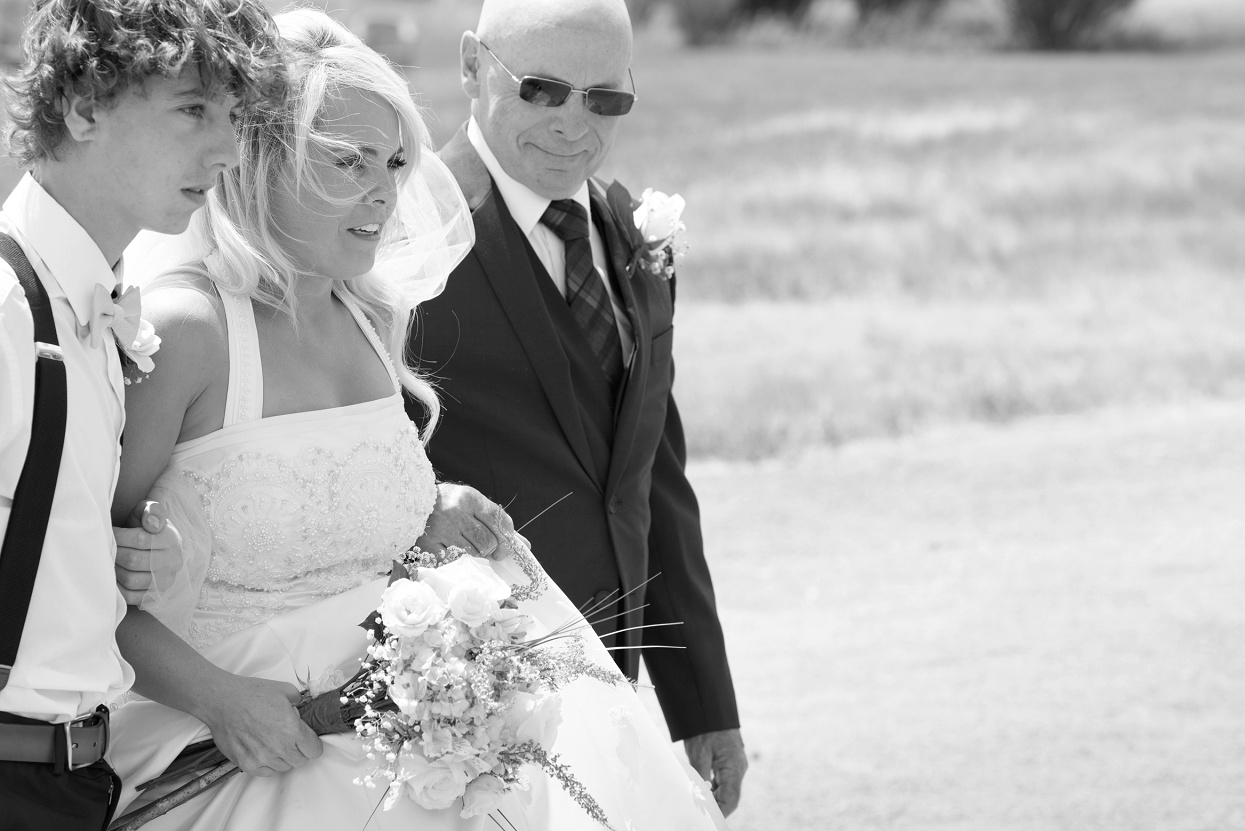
pixel 464 517
pixel 720 760
pixel 148 541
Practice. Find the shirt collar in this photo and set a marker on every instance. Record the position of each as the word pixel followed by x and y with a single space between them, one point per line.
pixel 525 205
pixel 75 261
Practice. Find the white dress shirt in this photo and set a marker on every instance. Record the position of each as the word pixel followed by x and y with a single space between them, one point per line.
pixel 68 662
pixel 527 207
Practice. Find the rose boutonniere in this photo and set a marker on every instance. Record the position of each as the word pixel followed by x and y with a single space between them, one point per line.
pixel 121 316
pixel 653 226
pixel 146 343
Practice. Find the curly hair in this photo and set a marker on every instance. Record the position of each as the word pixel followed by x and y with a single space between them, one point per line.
pixel 98 49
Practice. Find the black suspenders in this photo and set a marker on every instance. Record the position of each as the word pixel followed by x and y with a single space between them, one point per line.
pixel 32 499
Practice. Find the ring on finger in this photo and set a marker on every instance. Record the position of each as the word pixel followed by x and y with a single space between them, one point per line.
pixel 490 548
pixel 479 531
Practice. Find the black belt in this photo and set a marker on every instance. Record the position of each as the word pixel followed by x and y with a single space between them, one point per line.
pixel 71 745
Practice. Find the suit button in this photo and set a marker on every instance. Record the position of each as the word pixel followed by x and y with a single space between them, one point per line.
pixel 614 506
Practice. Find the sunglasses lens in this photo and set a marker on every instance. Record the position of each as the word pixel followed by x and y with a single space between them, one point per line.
pixel 609 101
pixel 543 92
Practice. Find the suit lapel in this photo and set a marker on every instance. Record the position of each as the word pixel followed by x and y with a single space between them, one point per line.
pixel 500 250
pixel 627 412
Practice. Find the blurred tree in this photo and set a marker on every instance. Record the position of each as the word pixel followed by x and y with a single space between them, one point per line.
pixel 792 9
pixel 1061 24
pixel 866 9
pixel 706 21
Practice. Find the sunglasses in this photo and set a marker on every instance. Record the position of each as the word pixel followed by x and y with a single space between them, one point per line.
pixel 546 92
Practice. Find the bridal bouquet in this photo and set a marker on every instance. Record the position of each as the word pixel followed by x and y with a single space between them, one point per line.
pixel 452 700
pixel 474 698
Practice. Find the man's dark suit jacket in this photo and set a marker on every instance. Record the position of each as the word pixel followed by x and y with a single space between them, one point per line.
pixel 527 419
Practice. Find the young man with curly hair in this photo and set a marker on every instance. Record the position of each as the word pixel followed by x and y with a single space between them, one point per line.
pixel 122 113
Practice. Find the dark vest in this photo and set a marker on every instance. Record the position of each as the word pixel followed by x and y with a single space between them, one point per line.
pixel 591 389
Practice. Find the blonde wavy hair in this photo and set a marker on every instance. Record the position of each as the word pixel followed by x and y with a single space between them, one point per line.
pixel 275 142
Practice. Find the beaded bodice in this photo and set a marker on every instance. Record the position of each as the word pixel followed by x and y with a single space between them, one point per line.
pixel 300 506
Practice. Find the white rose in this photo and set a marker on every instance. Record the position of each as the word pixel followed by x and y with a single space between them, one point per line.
pixel 146 343
pixel 434 785
pixel 471 605
pixel 464 572
pixel 658 216
pixel 482 796
pixel 407 608
pixel 535 718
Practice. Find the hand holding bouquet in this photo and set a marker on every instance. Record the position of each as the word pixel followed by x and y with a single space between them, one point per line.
pixel 452 700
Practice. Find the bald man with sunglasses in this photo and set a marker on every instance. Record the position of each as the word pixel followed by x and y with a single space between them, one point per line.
pixel 555 367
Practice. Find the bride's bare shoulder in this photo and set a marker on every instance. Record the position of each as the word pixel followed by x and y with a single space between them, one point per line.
pixel 189 318
pixel 184 307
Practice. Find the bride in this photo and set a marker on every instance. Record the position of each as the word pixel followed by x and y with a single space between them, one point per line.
pixel 273 430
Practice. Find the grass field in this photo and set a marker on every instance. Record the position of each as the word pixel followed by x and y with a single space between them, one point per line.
pixel 1028 627
pixel 884 241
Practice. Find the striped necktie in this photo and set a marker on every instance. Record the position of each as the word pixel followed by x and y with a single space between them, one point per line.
pixel 585 289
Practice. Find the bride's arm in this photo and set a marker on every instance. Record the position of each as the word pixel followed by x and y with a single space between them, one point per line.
pixel 253 720
pixel 184 395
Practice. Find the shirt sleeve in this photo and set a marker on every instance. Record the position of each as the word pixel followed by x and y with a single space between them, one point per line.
pixel 17 386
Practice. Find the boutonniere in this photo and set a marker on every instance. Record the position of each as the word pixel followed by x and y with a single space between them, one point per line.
pixel 121 315
pixel 653 225
pixel 145 344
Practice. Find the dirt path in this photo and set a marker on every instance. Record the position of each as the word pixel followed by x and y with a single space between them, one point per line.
pixel 1034 627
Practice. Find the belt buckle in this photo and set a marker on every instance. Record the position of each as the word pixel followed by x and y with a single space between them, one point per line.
pixel 69 743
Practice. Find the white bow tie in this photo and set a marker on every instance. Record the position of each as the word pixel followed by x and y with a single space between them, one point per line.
pixel 120 316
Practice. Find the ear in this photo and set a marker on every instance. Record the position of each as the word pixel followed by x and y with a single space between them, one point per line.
pixel 469 52
pixel 81 117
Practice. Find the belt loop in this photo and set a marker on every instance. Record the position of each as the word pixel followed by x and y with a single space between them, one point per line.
pixel 68 746
pixel 105 717
pixel 60 750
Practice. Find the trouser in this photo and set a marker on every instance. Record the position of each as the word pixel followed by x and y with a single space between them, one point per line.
pixel 39 797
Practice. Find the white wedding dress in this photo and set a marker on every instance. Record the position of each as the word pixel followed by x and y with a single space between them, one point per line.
pixel 290 525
